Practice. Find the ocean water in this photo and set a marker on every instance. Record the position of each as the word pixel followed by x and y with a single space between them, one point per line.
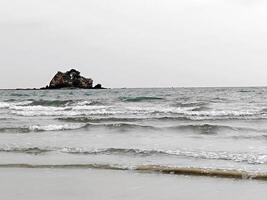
pixel 167 129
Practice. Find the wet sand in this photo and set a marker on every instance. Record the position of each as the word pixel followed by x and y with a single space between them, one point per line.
pixel 66 184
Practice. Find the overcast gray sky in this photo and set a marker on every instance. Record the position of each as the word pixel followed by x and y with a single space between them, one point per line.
pixel 134 43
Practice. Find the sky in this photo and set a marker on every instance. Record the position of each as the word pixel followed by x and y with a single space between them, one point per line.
pixel 134 43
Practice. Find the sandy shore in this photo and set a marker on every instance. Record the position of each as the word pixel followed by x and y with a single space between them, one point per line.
pixel 66 184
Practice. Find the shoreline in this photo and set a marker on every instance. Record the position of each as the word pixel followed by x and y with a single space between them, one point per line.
pixel 156 169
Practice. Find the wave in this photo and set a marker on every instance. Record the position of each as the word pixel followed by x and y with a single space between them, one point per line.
pixel 55 127
pixel 250 158
pixel 14 130
pixel 118 126
pixel 7 118
pixel 193 171
pixel 264 111
pixel 190 104
pixel 219 99
pixel 73 110
pixel 30 150
pixel 10 104
pixel 121 126
pixel 138 152
pixel 203 128
pixel 89 103
pixel 85 119
pixel 196 128
pixel 19 95
pixel 101 119
pixel 38 128
pixel 199 113
pixel 201 108
pixel 55 103
pixel 245 91
pixel 214 128
pixel 37 109
pixel 128 125
pixel 4 105
pixel 250 137
pixel 51 105
pixel 75 126
pixel 244 157
pixel 140 99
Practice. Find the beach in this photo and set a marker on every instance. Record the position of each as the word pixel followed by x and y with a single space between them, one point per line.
pixel 67 184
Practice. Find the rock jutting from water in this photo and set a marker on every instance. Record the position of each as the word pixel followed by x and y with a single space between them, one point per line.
pixel 71 79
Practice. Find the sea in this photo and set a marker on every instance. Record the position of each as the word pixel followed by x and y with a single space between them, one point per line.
pixel 192 131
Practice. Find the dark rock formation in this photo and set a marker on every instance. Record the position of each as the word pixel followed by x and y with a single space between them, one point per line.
pixel 71 79
pixel 98 86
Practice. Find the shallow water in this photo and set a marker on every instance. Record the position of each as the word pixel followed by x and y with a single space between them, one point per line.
pixel 215 128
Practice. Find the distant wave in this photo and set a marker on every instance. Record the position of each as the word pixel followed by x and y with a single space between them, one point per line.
pixel 105 110
pixel 189 104
pixel 140 99
pixel 19 95
pixel 193 171
pixel 70 108
pixel 201 108
pixel 245 91
pixel 46 104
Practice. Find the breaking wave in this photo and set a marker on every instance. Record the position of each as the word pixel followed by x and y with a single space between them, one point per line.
pixel 251 158
pixel 247 157
pixel 55 127
pixel 13 103
pixel 32 104
pixel 150 112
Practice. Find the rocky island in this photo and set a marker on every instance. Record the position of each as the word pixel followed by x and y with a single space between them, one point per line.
pixel 71 79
